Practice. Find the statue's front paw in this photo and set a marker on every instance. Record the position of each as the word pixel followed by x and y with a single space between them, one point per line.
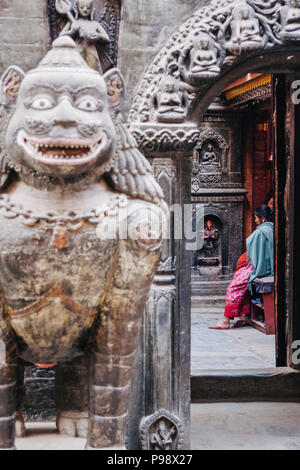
pixel 20 425
pixel 73 423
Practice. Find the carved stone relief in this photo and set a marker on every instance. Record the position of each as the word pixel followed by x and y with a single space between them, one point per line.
pixel 161 431
pixel 291 19
pixel 93 24
pixel 209 159
pixel 161 139
pixel 212 39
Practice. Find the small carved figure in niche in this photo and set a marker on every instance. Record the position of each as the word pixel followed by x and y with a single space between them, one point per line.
pixel 88 33
pixel 211 235
pixel 204 58
pixel 162 438
pixel 292 27
pixel 245 30
pixel 209 156
pixel 170 101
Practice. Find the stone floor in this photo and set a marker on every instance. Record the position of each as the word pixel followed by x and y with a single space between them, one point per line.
pixel 246 426
pixel 215 426
pixel 237 348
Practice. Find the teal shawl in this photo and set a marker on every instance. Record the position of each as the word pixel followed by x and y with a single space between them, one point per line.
pixel 260 250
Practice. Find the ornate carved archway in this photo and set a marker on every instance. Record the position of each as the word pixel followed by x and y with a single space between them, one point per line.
pixel 217 38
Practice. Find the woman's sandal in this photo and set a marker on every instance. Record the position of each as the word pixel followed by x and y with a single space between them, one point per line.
pixel 239 324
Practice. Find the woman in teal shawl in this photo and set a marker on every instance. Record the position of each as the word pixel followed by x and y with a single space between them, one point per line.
pixel 257 262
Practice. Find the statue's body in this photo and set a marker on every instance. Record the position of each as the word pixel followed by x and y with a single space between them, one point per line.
pixel 209 156
pixel 170 102
pixel 291 30
pixel 210 236
pixel 88 33
pixel 245 29
pixel 204 58
pixel 68 295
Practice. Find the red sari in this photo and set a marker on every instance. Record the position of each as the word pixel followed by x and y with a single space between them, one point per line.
pixel 237 295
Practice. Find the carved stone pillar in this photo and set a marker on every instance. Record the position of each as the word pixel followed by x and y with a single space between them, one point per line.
pixel 162 369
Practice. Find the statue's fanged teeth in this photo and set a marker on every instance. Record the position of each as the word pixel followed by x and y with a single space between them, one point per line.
pixel 61 151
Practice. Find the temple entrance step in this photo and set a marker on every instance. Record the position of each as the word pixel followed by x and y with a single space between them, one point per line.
pixel 204 304
pixel 281 383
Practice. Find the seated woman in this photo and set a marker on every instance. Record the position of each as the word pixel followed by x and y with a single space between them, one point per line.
pixel 258 261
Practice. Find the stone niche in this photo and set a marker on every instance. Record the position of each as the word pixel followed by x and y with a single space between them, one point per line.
pixel 218 197
pixel 208 259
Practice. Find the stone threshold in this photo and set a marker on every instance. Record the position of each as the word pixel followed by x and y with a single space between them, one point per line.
pixel 281 383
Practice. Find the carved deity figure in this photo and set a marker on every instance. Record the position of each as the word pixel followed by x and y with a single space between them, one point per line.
pixel 162 438
pixel 209 156
pixel 204 58
pixel 88 33
pixel 170 101
pixel 291 30
pixel 211 235
pixel 72 289
pixel 245 30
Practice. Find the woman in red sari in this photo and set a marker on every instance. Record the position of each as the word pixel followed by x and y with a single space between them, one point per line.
pixel 256 262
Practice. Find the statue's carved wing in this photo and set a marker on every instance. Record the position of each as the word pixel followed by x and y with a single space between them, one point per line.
pixel 9 88
pixel 131 172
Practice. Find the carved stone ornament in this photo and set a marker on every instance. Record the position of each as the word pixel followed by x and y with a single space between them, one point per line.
pixel 93 24
pixel 72 292
pixel 167 292
pixel 211 40
pixel 291 20
pixel 161 431
pixel 164 166
pixel 161 139
pixel 167 266
pixel 170 101
pixel 209 155
pixel 205 179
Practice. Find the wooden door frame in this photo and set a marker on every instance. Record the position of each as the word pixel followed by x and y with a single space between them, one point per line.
pixel 286 275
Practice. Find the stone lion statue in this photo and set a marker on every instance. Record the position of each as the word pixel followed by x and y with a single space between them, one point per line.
pixel 82 221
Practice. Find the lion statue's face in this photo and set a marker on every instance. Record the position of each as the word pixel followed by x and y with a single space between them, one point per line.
pixel 62 126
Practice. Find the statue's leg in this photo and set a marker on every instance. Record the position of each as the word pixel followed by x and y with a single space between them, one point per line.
pixel 109 385
pixel 115 342
pixel 20 425
pixel 71 394
pixel 8 379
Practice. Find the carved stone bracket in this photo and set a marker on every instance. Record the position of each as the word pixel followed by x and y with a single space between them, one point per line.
pixel 167 266
pixel 205 179
pixel 161 431
pixel 167 292
pixel 213 39
pixel 165 138
pixel 163 166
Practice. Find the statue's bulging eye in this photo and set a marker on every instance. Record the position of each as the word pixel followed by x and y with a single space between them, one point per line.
pixel 88 104
pixel 42 103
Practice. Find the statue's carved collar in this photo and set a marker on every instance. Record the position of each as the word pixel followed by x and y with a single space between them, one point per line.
pixel 42 181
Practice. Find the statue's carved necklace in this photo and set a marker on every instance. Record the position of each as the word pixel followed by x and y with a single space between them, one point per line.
pixel 61 224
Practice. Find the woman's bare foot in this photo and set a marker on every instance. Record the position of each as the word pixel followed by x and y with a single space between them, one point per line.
pixel 223 324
